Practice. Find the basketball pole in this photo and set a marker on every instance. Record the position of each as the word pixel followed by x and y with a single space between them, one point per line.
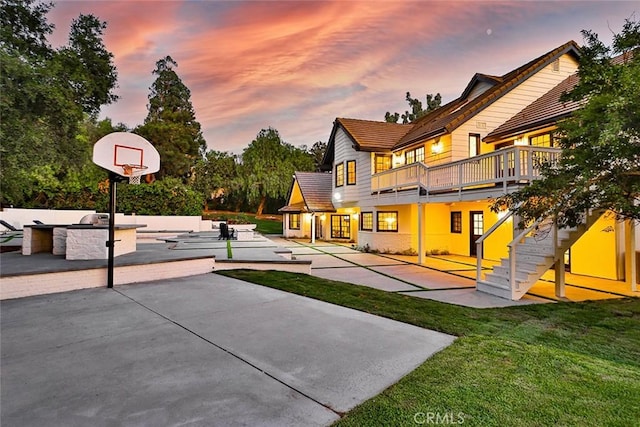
pixel 112 227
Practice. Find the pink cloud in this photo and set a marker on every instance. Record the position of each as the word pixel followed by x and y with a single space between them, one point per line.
pixel 298 65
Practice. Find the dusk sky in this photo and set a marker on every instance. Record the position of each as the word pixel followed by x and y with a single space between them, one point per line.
pixel 297 65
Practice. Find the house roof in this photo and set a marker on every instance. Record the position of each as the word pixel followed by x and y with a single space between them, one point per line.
pixel 367 135
pixel 446 119
pixel 316 192
pixel 542 112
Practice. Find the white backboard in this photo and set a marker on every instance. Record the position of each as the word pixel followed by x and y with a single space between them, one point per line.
pixel 119 149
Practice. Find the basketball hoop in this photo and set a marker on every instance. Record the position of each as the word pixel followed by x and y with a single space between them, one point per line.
pixel 133 172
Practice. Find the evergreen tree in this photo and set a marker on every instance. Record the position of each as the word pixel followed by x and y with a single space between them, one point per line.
pixel 171 124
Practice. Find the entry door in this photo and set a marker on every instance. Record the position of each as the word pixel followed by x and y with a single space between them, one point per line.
pixel 476 230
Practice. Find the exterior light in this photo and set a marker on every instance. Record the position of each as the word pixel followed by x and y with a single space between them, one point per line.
pixel 323 217
pixel 436 147
pixel 354 216
pixel 337 197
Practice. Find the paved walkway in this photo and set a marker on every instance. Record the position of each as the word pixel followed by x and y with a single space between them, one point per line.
pixel 200 351
pixel 448 278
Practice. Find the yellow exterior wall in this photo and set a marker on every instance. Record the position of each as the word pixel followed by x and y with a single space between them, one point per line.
pixel 296 194
pixel 436 228
pixel 438 235
pixel 595 253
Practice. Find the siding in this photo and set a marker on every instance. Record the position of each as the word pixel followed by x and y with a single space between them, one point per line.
pixel 508 106
pixel 351 194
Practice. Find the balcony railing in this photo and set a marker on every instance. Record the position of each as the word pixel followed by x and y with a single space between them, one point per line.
pixel 498 168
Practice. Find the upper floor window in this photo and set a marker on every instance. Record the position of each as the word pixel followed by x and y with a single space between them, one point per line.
pixel 387 221
pixel 544 140
pixel 416 155
pixel 366 221
pixel 474 144
pixel 410 157
pixel 339 174
pixel 351 172
pixel 382 163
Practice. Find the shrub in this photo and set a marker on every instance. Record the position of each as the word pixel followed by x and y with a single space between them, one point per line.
pixel 168 196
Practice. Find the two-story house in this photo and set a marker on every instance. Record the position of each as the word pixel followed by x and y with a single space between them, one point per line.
pixel 427 186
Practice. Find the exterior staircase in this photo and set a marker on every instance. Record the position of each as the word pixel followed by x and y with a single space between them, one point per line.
pixel 531 254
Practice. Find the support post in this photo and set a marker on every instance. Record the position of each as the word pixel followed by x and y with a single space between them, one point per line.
pixel 559 278
pixel 112 233
pixel 420 235
pixel 313 228
pixel 630 254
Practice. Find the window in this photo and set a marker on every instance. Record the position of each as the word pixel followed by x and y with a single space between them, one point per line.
pixel 474 144
pixel 410 157
pixel 387 221
pixel 294 221
pixel 351 172
pixel 340 226
pixel 366 221
pixel 382 162
pixel 339 174
pixel 456 222
pixel 413 156
pixel 544 140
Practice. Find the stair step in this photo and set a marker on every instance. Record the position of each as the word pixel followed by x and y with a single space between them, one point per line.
pixel 502 280
pixel 530 264
pixel 521 275
pixel 533 249
pixel 494 289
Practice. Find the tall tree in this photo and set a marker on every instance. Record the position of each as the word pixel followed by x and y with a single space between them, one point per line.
pixel 216 177
pixel 317 151
pixel 40 108
pixel 268 164
pixel 433 102
pixel 600 163
pixel 171 124
pixel 89 64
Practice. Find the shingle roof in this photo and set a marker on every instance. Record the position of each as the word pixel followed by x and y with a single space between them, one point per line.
pixel 540 113
pixel 373 136
pixel 448 118
pixel 316 192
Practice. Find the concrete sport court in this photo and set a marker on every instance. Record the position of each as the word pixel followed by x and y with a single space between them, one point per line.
pixel 200 351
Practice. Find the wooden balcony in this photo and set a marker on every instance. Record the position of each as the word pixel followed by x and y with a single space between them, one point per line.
pixel 495 172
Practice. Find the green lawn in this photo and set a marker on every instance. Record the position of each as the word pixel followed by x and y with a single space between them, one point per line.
pixel 572 364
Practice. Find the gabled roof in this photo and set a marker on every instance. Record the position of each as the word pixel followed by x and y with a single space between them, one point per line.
pixel 367 135
pixel 480 78
pixel 316 193
pixel 542 112
pixel 460 110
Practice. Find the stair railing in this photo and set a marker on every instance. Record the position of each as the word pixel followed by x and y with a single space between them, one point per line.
pixel 490 231
pixel 516 241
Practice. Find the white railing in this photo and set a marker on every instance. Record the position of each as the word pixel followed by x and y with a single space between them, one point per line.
pixel 480 246
pixel 501 167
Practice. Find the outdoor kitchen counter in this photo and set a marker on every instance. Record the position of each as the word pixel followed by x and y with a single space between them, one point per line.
pixel 78 241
